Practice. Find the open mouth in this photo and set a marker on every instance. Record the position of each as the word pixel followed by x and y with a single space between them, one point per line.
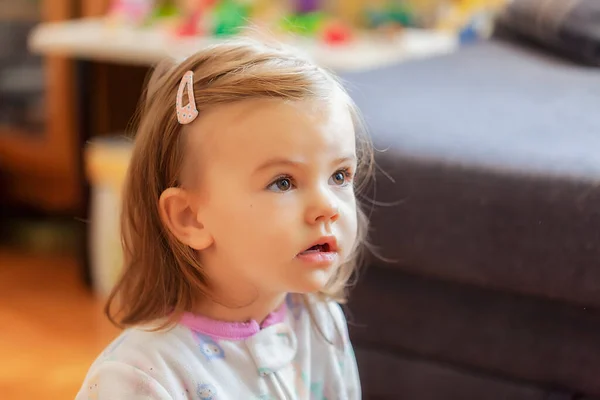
pixel 318 248
pixel 323 253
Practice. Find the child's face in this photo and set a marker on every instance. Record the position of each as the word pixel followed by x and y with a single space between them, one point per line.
pixel 273 179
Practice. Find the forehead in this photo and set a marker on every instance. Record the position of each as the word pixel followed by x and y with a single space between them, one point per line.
pixel 249 132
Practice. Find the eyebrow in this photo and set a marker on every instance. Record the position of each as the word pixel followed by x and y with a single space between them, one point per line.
pixel 280 161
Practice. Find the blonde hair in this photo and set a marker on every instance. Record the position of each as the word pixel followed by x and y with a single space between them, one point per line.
pixel 161 276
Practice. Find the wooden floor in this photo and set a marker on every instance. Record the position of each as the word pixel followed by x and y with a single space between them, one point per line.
pixel 51 327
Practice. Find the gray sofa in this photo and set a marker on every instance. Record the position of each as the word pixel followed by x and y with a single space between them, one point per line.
pixel 490 228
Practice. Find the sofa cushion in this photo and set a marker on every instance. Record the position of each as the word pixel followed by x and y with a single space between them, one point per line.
pixel 520 338
pixel 494 155
pixel 391 376
pixel 570 27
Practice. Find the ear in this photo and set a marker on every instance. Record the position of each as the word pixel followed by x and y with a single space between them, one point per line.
pixel 178 212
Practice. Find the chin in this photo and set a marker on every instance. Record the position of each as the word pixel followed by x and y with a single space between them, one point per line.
pixel 312 282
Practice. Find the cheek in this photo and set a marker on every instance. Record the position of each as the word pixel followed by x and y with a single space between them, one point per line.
pixel 274 216
pixel 229 207
pixel 254 220
pixel 349 220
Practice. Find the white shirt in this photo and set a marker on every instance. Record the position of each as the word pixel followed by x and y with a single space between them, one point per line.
pixel 299 352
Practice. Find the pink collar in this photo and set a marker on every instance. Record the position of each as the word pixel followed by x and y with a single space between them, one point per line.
pixel 231 330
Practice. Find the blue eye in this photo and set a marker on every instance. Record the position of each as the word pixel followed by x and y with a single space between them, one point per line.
pixel 283 184
pixel 340 178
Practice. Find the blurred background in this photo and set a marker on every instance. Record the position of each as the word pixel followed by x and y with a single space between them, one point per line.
pixel 71 73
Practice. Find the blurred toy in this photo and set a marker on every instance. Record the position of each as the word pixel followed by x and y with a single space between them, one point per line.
pixel 165 12
pixel 267 14
pixel 230 16
pixel 130 12
pixel 308 18
pixel 390 13
pixel 306 6
pixel 389 18
pixel 336 33
pixel 193 16
pixel 469 19
pixel 305 24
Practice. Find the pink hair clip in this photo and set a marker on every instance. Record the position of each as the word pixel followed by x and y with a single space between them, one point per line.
pixel 187 114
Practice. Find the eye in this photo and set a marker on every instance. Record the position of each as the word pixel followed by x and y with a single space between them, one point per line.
pixel 341 178
pixel 282 184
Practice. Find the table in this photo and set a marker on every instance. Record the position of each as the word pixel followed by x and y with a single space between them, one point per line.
pixel 96 39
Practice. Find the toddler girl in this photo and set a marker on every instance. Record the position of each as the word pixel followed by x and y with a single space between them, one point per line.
pixel 241 230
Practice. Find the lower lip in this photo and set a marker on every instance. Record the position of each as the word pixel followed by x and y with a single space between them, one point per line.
pixel 318 257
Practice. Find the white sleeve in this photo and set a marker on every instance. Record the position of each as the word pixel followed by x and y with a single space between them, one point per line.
pixel 350 370
pixel 352 377
pixel 118 381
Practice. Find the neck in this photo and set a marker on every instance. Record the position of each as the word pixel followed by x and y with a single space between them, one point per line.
pixel 240 311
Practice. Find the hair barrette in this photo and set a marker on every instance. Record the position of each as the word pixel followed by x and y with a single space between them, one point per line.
pixel 187 114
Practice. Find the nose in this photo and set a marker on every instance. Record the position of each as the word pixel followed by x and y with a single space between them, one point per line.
pixel 324 207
